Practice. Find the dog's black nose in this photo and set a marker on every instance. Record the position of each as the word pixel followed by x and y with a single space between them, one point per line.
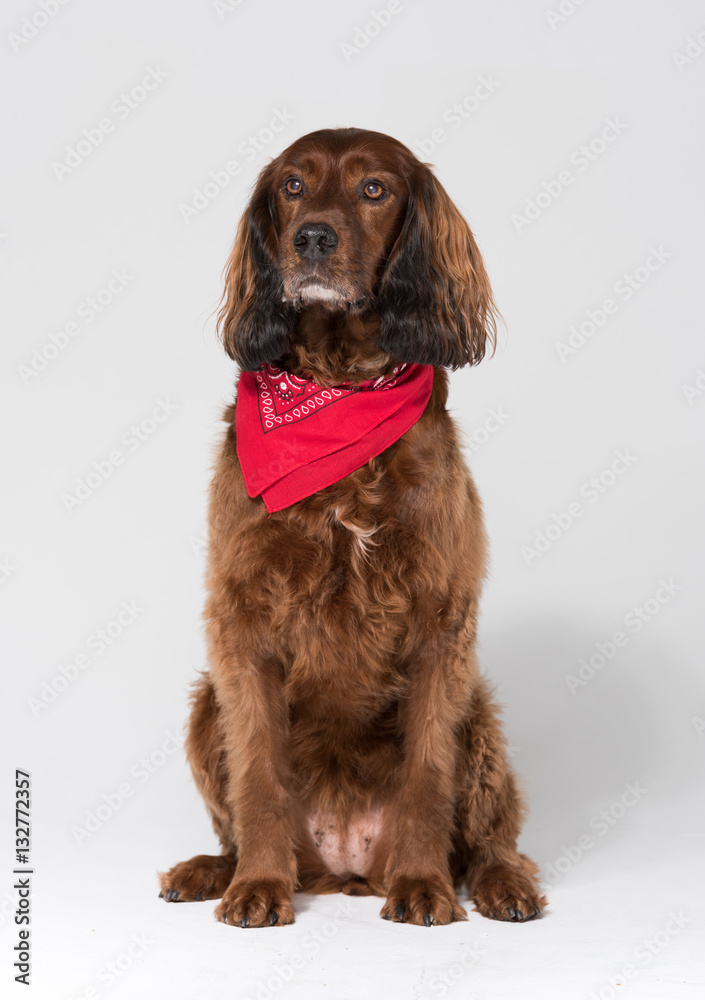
pixel 315 240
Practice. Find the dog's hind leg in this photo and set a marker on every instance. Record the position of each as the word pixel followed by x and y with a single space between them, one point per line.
pixel 205 876
pixel 502 883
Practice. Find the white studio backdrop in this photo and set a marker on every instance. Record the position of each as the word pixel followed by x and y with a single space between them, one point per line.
pixel 571 136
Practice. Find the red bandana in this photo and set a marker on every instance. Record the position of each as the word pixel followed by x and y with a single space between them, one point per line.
pixel 294 438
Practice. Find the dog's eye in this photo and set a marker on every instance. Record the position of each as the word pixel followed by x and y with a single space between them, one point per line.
pixel 294 186
pixel 373 190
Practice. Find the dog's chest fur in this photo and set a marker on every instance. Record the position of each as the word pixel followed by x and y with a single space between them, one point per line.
pixel 345 631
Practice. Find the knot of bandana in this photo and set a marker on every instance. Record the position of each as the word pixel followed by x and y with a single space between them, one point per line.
pixel 295 437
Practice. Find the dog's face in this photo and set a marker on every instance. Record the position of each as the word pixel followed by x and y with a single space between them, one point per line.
pixel 338 216
pixel 347 231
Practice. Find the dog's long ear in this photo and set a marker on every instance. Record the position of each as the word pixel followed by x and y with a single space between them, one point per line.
pixel 435 302
pixel 253 321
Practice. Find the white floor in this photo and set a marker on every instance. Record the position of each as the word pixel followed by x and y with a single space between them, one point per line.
pixel 625 918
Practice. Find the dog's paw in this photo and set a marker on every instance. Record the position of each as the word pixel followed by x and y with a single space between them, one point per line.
pixel 206 876
pixel 261 903
pixel 503 892
pixel 422 901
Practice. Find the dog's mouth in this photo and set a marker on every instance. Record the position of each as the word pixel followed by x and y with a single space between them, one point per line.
pixel 312 291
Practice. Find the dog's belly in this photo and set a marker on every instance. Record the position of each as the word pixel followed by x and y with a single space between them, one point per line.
pixel 347 849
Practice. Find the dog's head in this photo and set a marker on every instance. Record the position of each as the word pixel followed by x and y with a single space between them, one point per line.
pixel 349 225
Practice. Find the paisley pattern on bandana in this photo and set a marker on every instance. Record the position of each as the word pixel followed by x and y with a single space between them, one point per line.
pixel 285 398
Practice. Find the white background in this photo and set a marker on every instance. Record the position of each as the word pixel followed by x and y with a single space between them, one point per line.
pixel 138 537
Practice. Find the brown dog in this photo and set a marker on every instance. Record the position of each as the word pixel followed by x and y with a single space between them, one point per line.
pixel 343 740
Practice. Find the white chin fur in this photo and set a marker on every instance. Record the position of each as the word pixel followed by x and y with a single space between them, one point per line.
pixel 319 293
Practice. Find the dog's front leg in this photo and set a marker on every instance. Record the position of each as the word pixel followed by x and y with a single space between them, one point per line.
pixel 419 886
pixel 250 692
